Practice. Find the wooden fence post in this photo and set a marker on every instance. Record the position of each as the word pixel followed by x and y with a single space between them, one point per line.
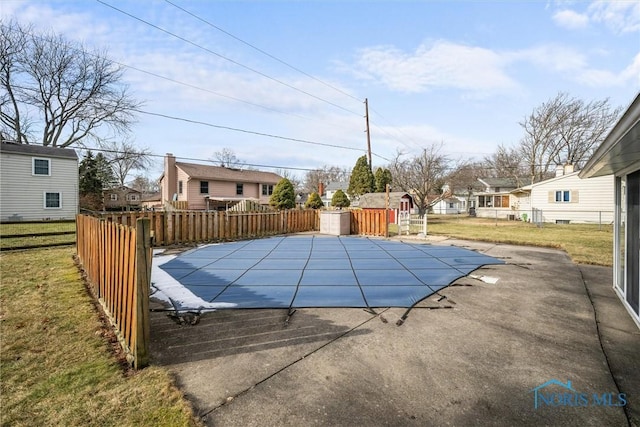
pixel 143 283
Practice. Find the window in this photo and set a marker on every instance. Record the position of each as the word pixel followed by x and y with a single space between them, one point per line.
pixel 267 189
pixel 563 196
pixel 204 187
pixel 179 187
pixel 239 189
pixel 52 200
pixel 113 197
pixel 450 205
pixel 41 167
pixel 133 197
pixel 501 201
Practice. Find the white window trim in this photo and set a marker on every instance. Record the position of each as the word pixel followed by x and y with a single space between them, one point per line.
pixel 113 197
pixel 44 199
pixel 33 166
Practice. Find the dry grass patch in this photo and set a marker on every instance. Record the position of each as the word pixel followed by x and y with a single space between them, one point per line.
pixel 585 243
pixel 56 366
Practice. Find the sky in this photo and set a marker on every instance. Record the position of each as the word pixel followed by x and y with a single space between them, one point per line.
pixel 283 83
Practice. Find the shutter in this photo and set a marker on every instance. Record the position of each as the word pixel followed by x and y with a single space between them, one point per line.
pixel 552 197
pixel 575 198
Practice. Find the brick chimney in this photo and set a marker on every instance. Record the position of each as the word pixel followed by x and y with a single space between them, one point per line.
pixel 169 180
pixel 320 189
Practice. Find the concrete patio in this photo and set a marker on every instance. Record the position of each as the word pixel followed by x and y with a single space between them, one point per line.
pixel 472 358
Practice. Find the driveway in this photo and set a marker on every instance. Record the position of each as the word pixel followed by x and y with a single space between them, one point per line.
pixel 483 351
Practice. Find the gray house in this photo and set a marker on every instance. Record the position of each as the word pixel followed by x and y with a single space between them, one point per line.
pixel 37 183
pixel 619 154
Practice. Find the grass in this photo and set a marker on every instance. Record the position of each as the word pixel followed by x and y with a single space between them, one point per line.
pixel 57 364
pixel 585 243
pixel 35 234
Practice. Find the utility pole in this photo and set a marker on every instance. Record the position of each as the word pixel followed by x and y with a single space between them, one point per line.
pixel 366 116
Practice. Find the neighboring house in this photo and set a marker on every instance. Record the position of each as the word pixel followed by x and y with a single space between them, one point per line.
pixel 204 187
pixel 400 204
pixel 496 199
pixel 569 198
pixel 122 198
pixel 331 188
pixel 448 205
pixel 152 201
pixel 37 183
pixel 619 155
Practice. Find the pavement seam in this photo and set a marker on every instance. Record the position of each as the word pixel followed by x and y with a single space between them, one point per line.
pixel 306 355
pixel 604 352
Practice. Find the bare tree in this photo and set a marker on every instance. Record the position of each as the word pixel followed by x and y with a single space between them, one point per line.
pixel 227 158
pixel 464 178
pixel 422 175
pixel 325 175
pixel 506 162
pixel 70 92
pixel 144 185
pixel 124 157
pixel 564 130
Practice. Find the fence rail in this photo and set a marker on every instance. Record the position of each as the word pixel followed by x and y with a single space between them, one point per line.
pixel 117 263
pixel 181 227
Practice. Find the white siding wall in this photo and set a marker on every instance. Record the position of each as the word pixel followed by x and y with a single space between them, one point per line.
pixel 591 199
pixel 22 193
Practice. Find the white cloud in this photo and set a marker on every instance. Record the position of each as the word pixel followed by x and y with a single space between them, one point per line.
pixel 442 64
pixel 570 19
pixel 552 57
pixel 619 16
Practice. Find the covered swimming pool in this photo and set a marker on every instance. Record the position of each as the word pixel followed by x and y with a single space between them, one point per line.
pixel 310 271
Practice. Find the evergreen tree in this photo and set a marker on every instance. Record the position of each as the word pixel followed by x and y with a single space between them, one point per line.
pixel 382 178
pixel 362 180
pixel 283 196
pixel 105 172
pixel 89 185
pixel 340 200
pixel 314 201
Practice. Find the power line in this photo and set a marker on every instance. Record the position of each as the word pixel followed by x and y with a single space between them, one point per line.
pixel 262 51
pixel 225 58
pixel 304 141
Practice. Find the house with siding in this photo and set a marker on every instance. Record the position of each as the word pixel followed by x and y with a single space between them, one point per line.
pixel 497 198
pixel 204 187
pixel 330 189
pixel 449 206
pixel 37 182
pixel 567 198
pixel 122 198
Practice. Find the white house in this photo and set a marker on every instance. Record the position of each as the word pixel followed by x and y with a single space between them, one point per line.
pixel 567 198
pixel 37 183
pixel 619 154
pixel 498 198
pixel 331 189
pixel 449 205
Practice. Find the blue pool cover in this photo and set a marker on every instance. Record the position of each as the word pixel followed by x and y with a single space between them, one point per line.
pixel 320 271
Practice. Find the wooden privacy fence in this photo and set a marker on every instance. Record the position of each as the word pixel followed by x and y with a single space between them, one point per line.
pixel 369 222
pixel 179 227
pixel 117 262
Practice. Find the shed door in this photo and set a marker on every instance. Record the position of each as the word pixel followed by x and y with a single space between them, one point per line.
pixel 633 240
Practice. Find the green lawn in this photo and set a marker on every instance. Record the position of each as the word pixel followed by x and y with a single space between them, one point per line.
pixel 585 243
pixel 57 364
